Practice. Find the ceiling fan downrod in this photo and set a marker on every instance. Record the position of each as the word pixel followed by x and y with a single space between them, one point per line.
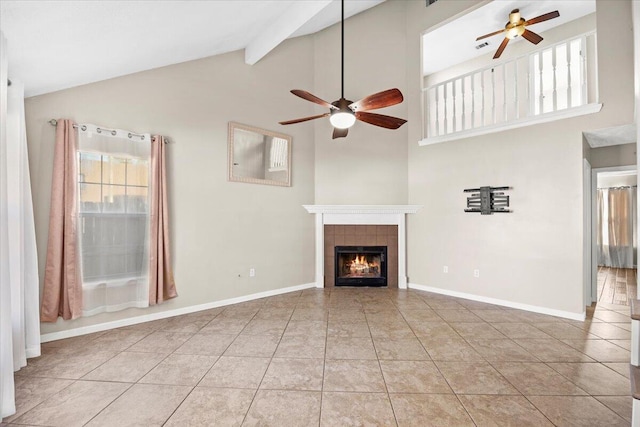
pixel 342 52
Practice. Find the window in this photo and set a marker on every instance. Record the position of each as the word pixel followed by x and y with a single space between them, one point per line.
pixel 113 196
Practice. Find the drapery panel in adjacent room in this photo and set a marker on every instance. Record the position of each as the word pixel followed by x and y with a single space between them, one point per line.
pixel 617 227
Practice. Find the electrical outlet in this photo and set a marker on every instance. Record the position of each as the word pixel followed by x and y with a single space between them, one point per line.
pixel 476 273
pixel 252 272
pixel 445 269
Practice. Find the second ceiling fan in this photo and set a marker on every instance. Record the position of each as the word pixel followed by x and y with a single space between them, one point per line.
pixel 343 113
pixel 517 27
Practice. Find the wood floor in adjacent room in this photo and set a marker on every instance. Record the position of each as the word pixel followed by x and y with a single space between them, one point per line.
pixel 617 285
pixel 339 357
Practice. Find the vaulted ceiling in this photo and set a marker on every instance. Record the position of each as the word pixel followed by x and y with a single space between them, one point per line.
pixel 55 45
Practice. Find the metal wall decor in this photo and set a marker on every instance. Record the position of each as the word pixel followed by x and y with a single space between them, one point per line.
pixel 487 200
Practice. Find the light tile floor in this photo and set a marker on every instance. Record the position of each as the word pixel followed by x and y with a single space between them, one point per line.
pixel 617 285
pixel 339 357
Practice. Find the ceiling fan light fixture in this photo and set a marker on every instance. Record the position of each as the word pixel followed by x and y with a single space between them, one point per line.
pixel 341 119
pixel 514 32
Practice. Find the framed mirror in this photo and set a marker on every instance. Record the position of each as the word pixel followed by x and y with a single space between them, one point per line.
pixel 259 156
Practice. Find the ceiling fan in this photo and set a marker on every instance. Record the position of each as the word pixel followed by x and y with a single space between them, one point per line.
pixel 343 113
pixel 517 27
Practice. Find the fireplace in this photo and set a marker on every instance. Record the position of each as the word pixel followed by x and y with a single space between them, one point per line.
pixel 360 266
pixel 360 225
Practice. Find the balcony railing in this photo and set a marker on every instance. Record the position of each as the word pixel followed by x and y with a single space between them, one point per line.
pixel 544 81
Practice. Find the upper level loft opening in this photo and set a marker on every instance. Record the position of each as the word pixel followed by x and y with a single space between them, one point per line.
pixel 466 92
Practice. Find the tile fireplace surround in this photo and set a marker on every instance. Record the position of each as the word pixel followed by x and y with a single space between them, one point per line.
pixel 362 215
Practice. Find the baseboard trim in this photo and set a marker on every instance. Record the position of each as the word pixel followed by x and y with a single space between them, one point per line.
pixel 533 308
pixel 84 330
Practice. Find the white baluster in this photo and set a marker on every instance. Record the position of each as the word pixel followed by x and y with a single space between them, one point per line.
pixel 530 96
pixel 463 104
pixel 473 102
pixel 483 100
pixel 504 90
pixel 515 92
pixel 446 116
pixel 583 68
pixel 437 90
pixel 540 59
pixel 453 101
pixel 555 91
pixel 568 46
pixel 493 95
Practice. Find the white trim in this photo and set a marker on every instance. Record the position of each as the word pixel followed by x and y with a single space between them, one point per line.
pixel 635 413
pixel 587 229
pixel 635 342
pixel 52 336
pixel 594 223
pixel 362 209
pixel 527 307
pixel 522 122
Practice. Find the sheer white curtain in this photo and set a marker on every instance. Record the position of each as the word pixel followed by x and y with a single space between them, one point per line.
pixel 113 218
pixel 617 227
pixel 19 284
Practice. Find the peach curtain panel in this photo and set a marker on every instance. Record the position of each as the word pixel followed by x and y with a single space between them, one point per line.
pixel 617 227
pixel 62 293
pixel 161 283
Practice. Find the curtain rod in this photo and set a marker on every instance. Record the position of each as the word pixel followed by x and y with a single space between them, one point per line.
pixel 54 122
pixel 613 188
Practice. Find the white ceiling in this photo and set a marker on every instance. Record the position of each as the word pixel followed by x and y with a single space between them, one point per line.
pixel 455 41
pixel 53 45
pixel 624 134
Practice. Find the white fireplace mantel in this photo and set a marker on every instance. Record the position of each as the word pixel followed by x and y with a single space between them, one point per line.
pixel 362 215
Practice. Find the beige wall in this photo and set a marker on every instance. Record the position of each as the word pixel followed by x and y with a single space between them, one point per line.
pixel 370 165
pixel 615 155
pixel 607 180
pixel 219 229
pixel 533 255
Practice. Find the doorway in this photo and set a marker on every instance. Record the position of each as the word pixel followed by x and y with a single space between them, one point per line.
pixel 614 235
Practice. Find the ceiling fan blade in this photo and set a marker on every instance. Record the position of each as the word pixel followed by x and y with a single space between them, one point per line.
pixel 382 99
pixel 380 120
pixel 532 37
pixel 490 34
pixel 501 48
pixel 339 133
pixel 309 97
pixel 543 18
pixel 304 119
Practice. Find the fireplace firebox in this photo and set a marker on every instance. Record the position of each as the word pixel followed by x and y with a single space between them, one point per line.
pixel 361 265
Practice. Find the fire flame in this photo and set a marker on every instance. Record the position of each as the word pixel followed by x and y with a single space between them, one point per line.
pixel 359 265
